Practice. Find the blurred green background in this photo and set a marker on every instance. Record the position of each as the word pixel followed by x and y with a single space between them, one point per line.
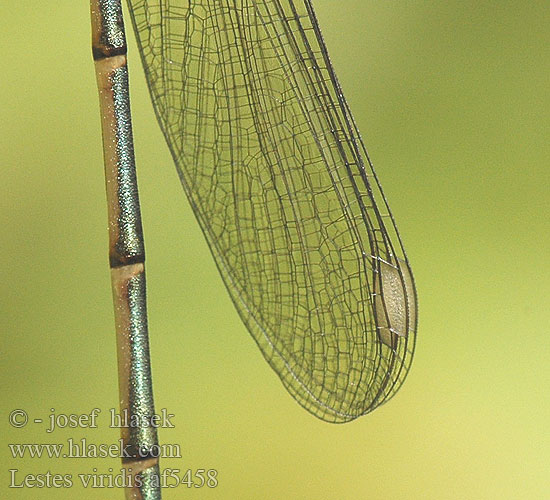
pixel 453 101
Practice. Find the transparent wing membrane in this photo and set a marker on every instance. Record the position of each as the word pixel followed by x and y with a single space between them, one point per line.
pixel 273 165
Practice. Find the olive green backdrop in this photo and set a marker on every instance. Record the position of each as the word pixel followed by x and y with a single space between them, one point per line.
pixel 453 101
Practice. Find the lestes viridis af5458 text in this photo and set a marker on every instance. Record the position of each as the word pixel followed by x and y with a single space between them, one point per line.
pixel 280 182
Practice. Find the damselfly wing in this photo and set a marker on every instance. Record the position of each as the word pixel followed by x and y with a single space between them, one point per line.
pixel 280 182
